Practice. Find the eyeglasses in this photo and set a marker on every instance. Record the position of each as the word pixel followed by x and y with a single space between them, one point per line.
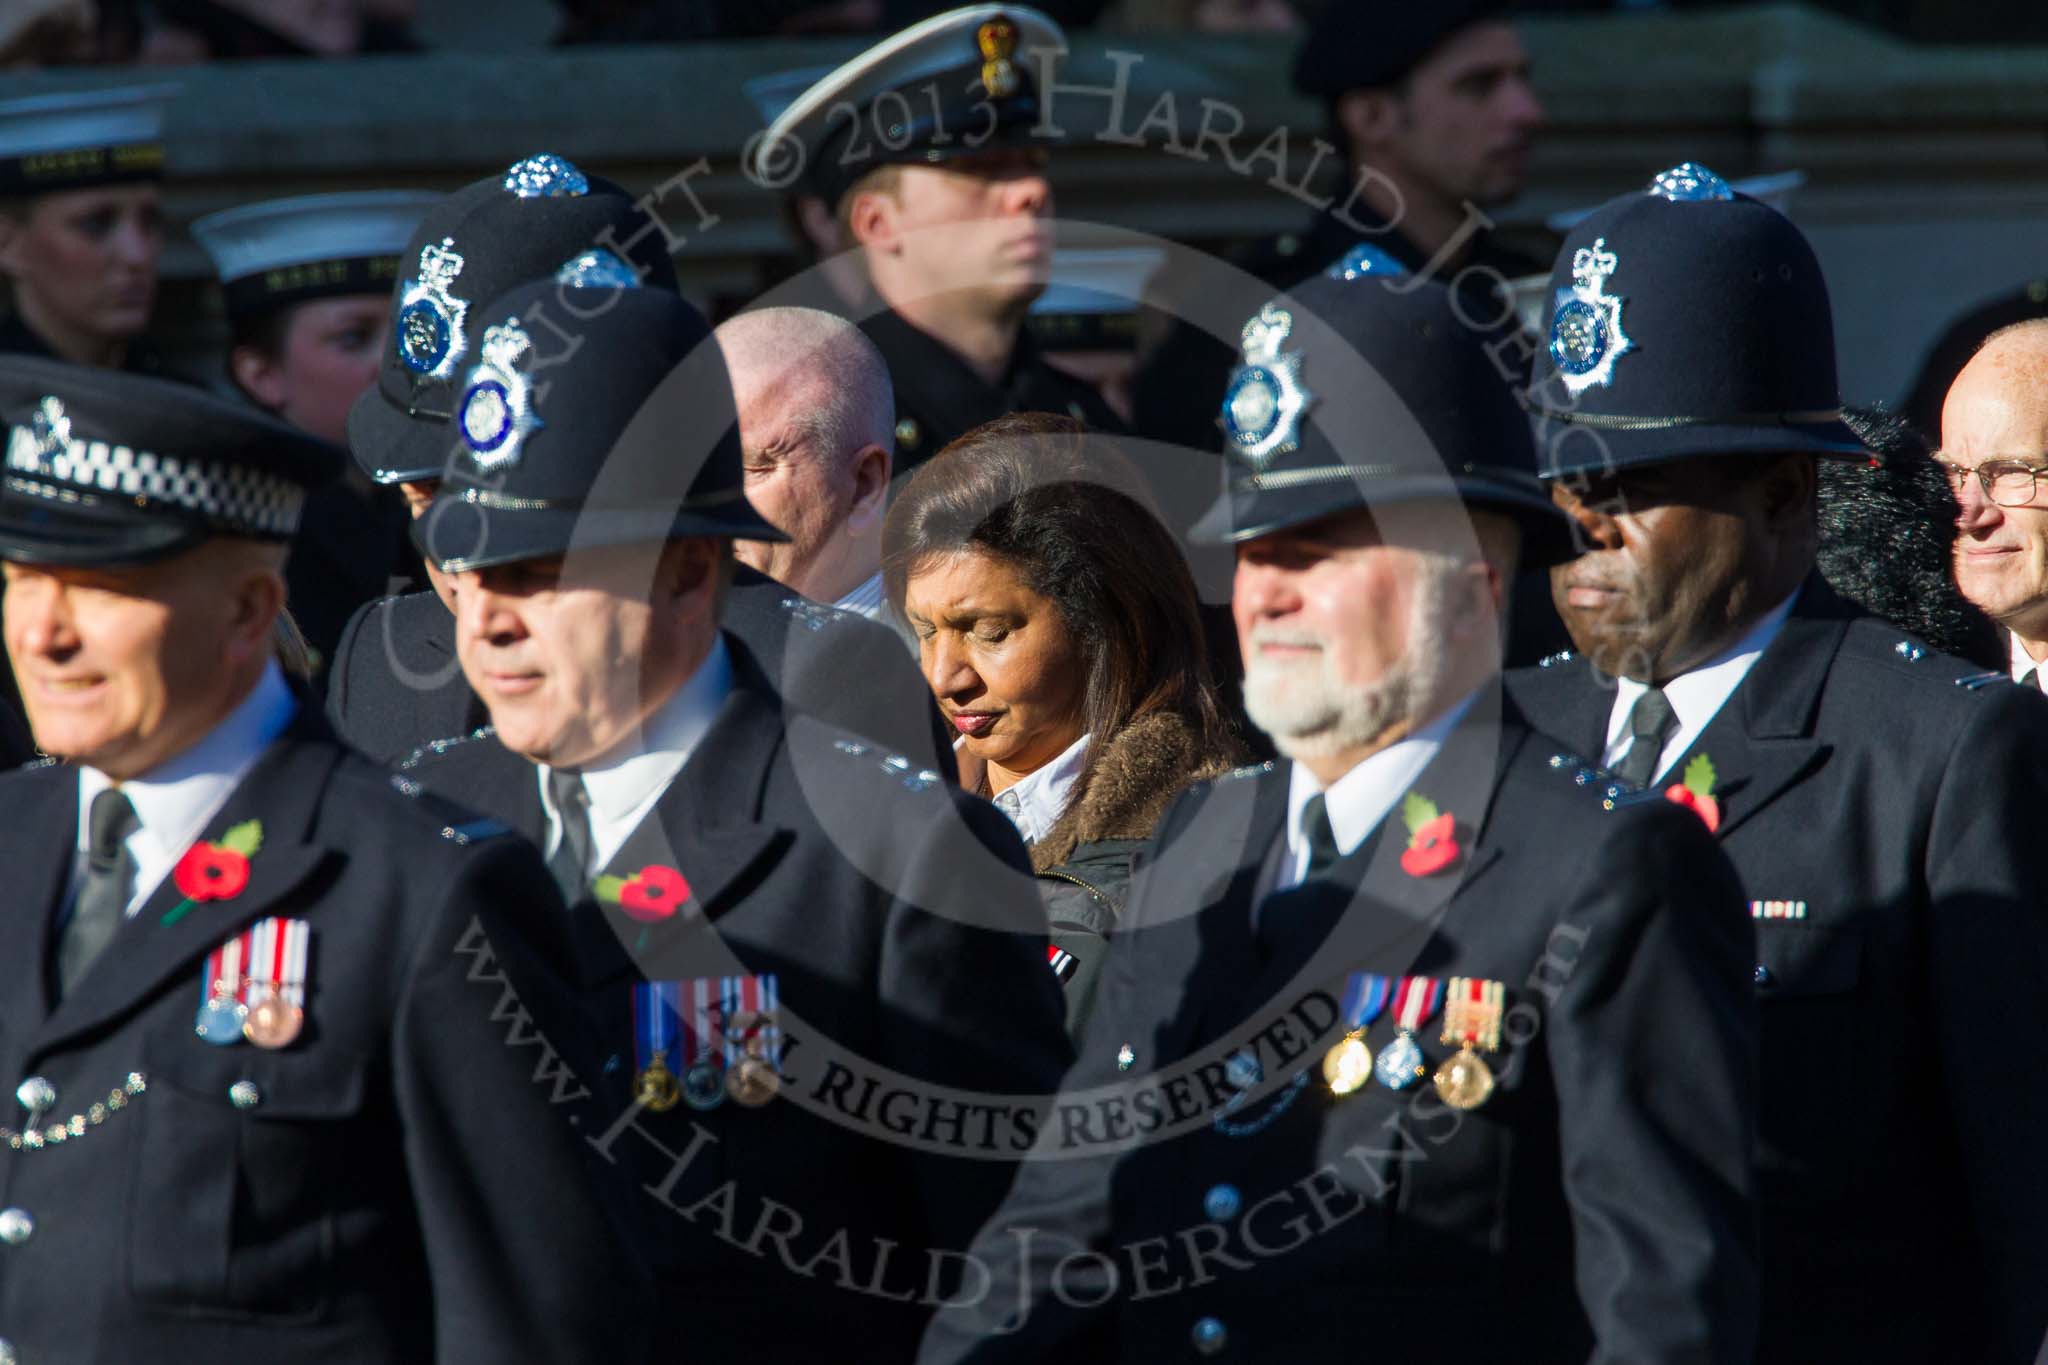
pixel 2009 483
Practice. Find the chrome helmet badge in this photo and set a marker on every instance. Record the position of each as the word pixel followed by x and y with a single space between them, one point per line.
pixel 430 339
pixel 497 406
pixel 1586 337
pixel 1263 406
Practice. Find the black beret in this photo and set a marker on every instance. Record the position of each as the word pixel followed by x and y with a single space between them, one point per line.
pixel 110 468
pixel 1369 44
pixel 594 417
pixel 1360 389
pixel 541 217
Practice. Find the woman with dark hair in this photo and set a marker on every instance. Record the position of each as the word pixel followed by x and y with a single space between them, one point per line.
pixel 1056 623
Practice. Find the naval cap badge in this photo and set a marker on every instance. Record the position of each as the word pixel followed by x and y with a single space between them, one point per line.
pixel 997 40
pixel 497 406
pixel 1263 407
pixel 430 339
pixel 545 176
pixel 1586 337
pixel 1690 183
pixel 50 430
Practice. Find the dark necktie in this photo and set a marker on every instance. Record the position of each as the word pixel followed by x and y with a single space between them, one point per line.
pixel 103 892
pixel 1320 838
pixel 1650 724
pixel 571 861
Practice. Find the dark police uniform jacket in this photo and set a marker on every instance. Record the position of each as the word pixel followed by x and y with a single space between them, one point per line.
pixel 392 1186
pixel 1900 815
pixel 940 398
pixel 396 683
pixel 804 1229
pixel 1596 1207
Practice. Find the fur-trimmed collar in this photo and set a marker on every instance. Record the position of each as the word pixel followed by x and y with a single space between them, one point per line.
pixel 1136 776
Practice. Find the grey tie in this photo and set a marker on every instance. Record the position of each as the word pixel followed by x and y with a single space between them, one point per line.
pixel 1650 723
pixel 103 892
pixel 571 861
pixel 1320 838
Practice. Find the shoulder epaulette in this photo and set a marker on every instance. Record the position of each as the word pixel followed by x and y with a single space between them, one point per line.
pixel 1611 790
pixel 895 765
pixel 1248 770
pixel 1563 656
pixel 1972 682
pixel 46 761
pixel 811 615
pixel 435 748
pixel 473 831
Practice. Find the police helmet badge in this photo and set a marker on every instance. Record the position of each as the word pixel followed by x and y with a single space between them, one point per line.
pixel 1690 183
pixel 545 177
pixel 599 269
pixel 497 406
pixel 997 40
pixel 1363 260
pixel 1586 336
pixel 430 339
pixel 1263 407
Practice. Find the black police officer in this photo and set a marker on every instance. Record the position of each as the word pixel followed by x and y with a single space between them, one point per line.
pixel 773 917
pixel 1421 1043
pixel 267 1101
pixel 924 147
pixel 1876 797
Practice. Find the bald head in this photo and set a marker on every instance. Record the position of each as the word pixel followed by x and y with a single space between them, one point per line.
pixel 1996 418
pixel 817 422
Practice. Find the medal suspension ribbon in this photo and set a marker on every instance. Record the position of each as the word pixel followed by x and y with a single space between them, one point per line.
pixel 1415 1001
pixel 654 1017
pixel 1365 995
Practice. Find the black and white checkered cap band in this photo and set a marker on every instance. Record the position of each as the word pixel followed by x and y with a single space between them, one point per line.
pixel 87 472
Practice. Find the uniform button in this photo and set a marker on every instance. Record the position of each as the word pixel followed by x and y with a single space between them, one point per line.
pixel 1126 1057
pixel 1209 1336
pixel 16 1226
pixel 1763 975
pixel 7 1353
pixel 1221 1203
pixel 244 1095
pixel 36 1094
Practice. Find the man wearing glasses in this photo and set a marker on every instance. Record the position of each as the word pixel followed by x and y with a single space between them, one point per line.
pixel 1994 431
pixel 1881 802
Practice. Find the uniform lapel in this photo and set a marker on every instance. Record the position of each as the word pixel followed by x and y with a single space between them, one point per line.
pixel 1762 740
pixel 283 791
pixel 1569 702
pixel 706 826
pixel 43 845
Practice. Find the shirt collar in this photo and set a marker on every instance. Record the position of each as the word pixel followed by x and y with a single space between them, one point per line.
pixel 1696 696
pixel 637 771
pixel 1359 800
pixel 1036 802
pixel 2023 664
pixel 865 600
pixel 174 800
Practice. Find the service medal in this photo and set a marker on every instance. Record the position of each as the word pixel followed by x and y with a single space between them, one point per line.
pixel 656 1087
pixel 1471 1023
pixel 219 1021
pixel 276 1005
pixel 1400 1063
pixel 1348 1065
pixel 221 1011
pixel 704 1085
pixel 753 1082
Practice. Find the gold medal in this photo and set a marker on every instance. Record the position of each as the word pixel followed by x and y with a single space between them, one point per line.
pixel 273 1023
pixel 657 1087
pixel 1348 1065
pixel 1465 1081
pixel 752 1082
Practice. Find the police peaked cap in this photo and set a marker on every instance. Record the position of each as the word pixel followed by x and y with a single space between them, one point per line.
pixel 106 468
pixel 542 217
pixel 593 417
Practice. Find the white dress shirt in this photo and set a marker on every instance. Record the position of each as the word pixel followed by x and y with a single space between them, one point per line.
pixel 623 788
pixel 1695 697
pixel 176 800
pixel 2023 663
pixel 1036 801
pixel 865 600
pixel 1358 801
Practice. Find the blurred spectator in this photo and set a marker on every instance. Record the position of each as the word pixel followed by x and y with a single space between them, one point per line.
pixel 817 423
pixel 48 32
pixel 668 21
pixel 1204 16
pixel 1056 624
pixel 174 32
